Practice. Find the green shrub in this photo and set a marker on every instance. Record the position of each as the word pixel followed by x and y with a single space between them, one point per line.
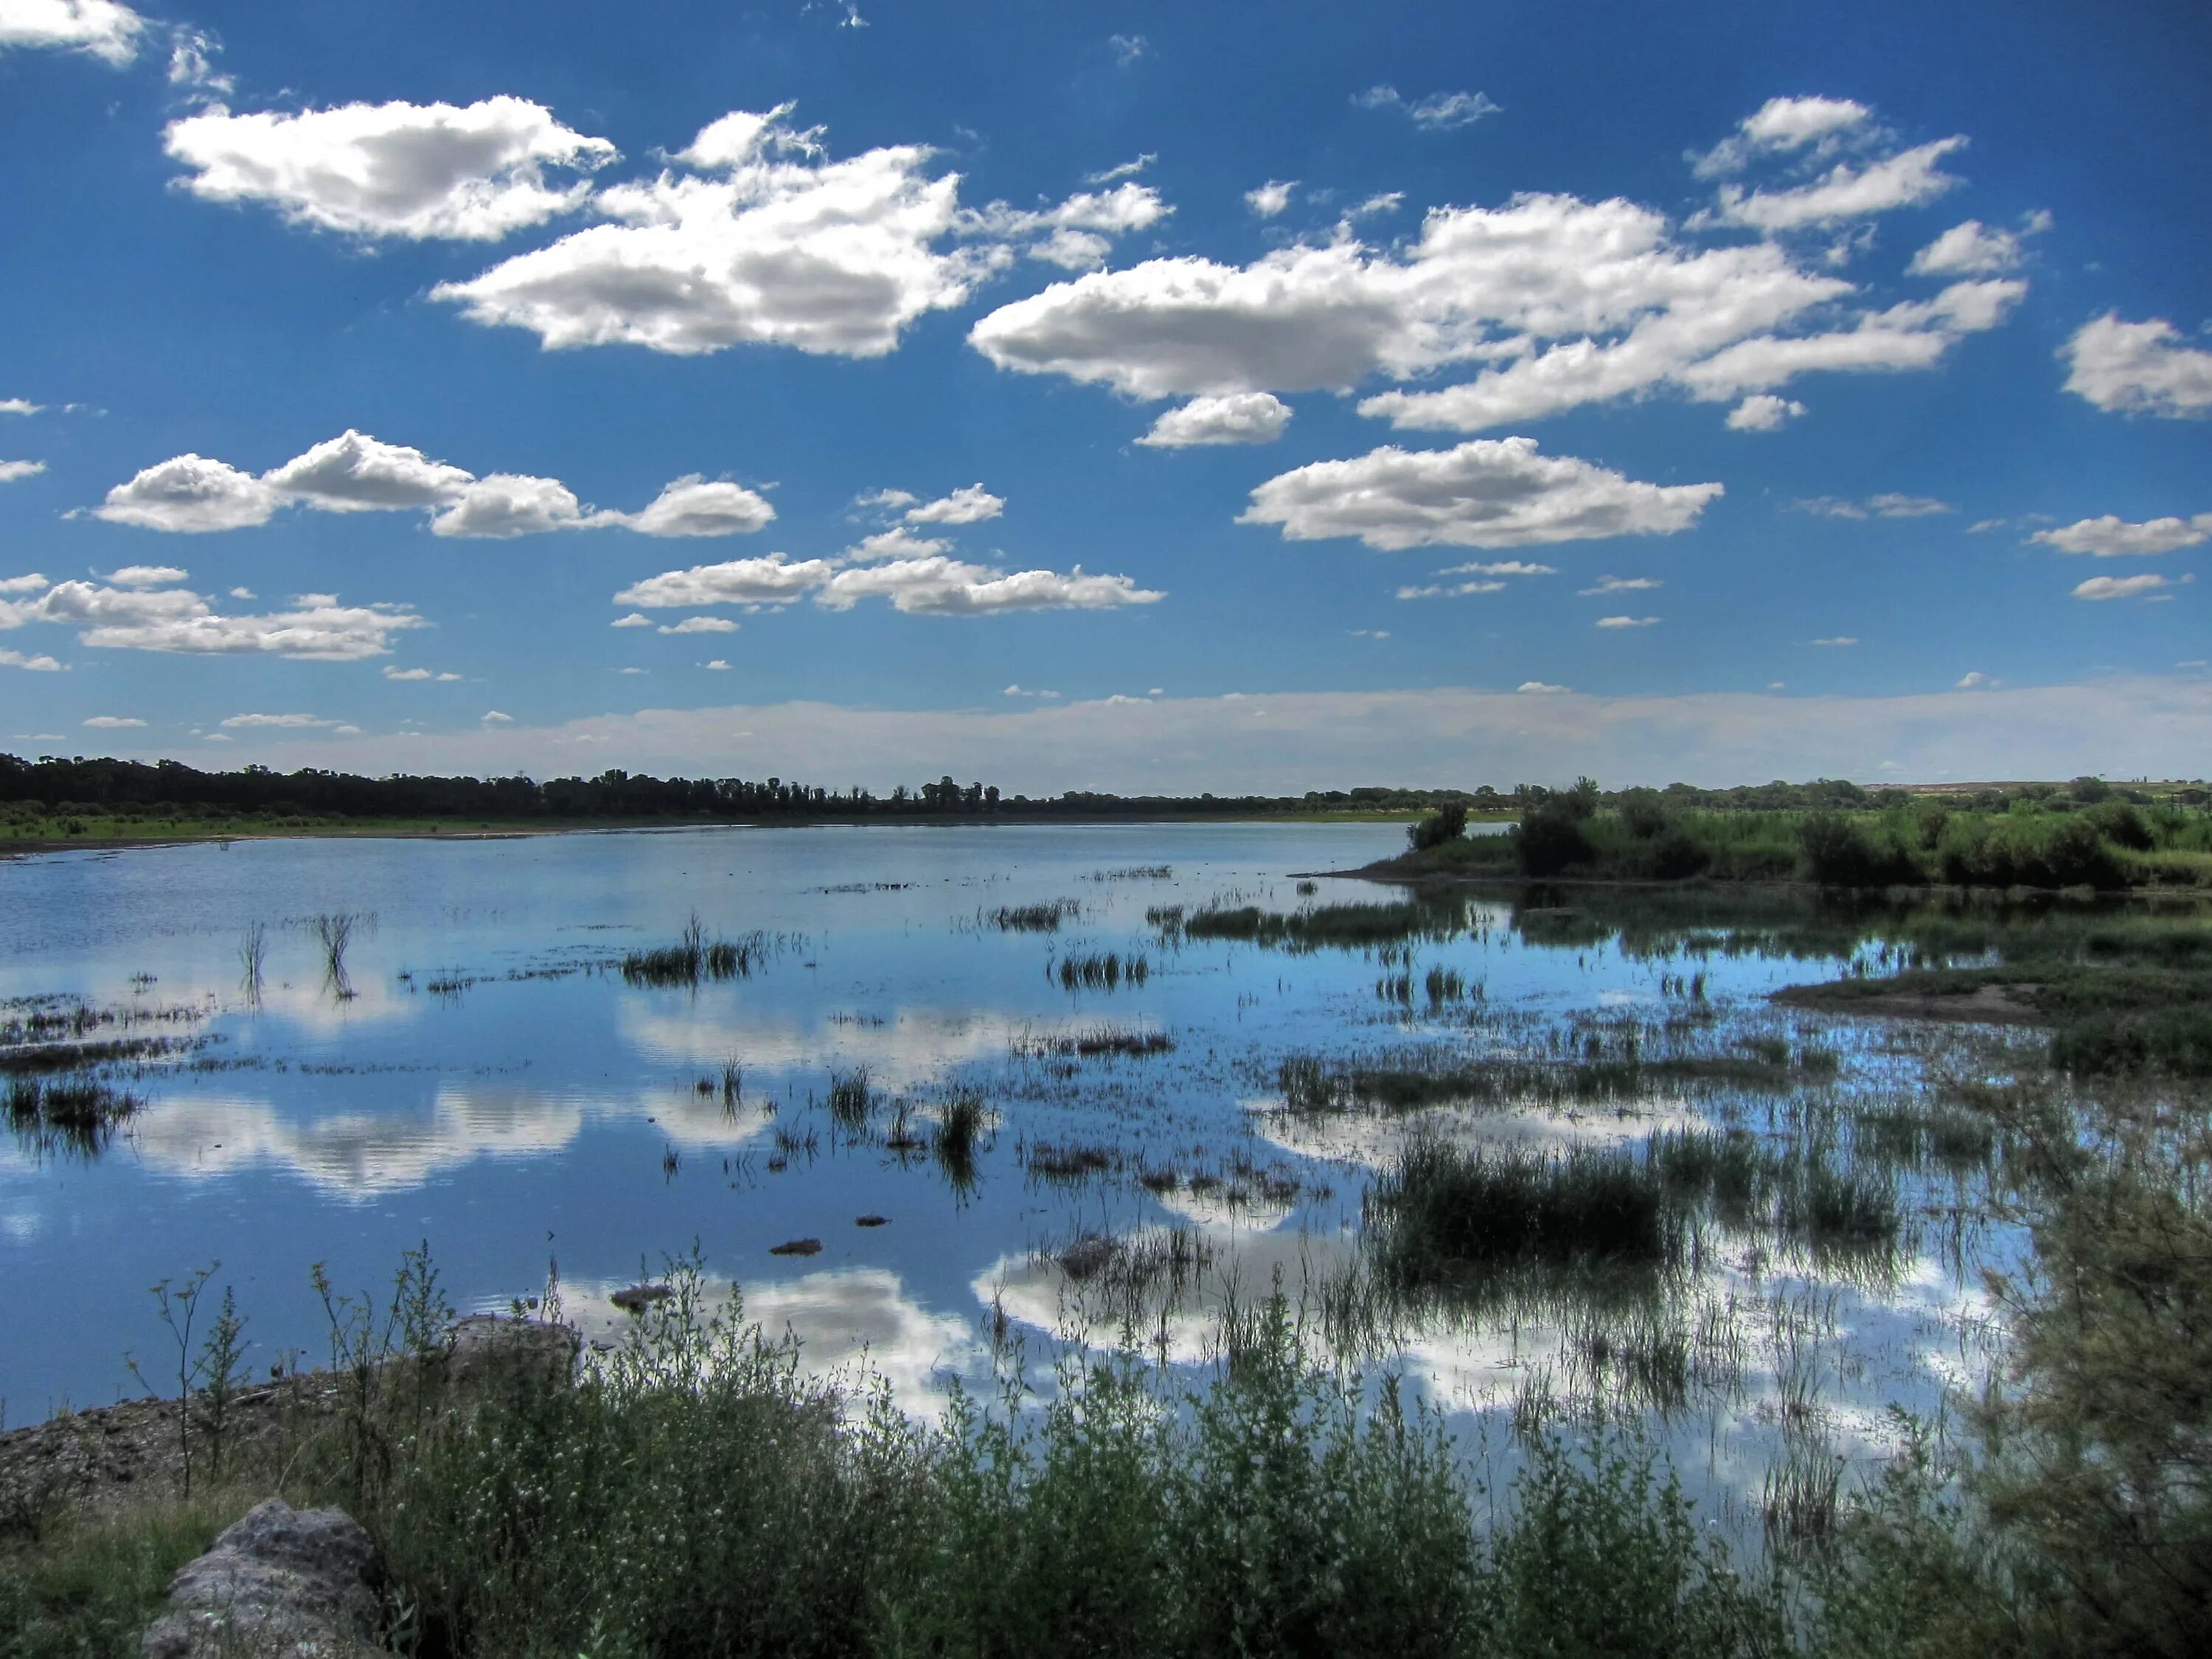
pixel 1837 853
pixel 1446 823
pixel 1551 839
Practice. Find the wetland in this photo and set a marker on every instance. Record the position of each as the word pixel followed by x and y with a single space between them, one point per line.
pixel 1034 1167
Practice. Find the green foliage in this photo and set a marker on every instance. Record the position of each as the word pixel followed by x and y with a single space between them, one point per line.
pixel 1551 839
pixel 89 1588
pixel 1446 823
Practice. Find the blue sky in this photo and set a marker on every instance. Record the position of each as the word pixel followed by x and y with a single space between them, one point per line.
pixel 1423 393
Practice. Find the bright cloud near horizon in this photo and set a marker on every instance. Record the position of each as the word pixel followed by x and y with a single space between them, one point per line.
pixel 1363 404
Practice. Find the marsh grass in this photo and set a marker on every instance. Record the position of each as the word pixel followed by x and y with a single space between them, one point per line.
pixel 695 958
pixel 252 958
pixel 1068 1161
pixel 1101 970
pixel 1445 1208
pixel 333 932
pixel 1446 1211
pixel 1327 926
pixel 961 1124
pixel 76 1114
pixel 1416 1079
pixel 1044 918
pixel 1097 1040
pixel 852 1098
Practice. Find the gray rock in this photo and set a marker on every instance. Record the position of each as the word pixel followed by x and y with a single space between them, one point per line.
pixel 280 1583
pixel 486 1346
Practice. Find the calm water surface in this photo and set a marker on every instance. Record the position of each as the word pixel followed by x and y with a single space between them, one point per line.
pixel 493 1086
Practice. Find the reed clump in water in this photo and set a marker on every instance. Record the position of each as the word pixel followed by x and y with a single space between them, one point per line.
pixel 76 1114
pixel 1102 970
pixel 333 932
pixel 960 1126
pixel 1043 918
pixel 694 958
pixel 252 958
pixel 1097 1040
pixel 851 1099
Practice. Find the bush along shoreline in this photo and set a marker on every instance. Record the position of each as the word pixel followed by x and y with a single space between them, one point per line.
pixel 2085 834
pixel 693 1491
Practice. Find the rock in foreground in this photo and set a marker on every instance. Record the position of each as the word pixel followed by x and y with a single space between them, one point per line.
pixel 279 1583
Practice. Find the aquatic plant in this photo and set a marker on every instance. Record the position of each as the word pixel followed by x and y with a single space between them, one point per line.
pixel 1102 970
pixel 694 958
pixel 74 1114
pixel 333 932
pixel 1044 918
pixel 1337 927
pixel 1069 1161
pixel 253 955
pixel 851 1099
pixel 960 1125
pixel 1445 1208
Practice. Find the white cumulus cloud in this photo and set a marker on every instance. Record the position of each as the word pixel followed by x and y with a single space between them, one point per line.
pixel 2112 536
pixel 191 495
pixel 763 240
pixel 356 473
pixel 1764 412
pixel 774 580
pixel 1845 192
pixel 99 28
pixel 473 173
pixel 317 626
pixel 1079 233
pixel 1271 199
pixel 2118 587
pixel 36 664
pixel 504 505
pixel 1559 302
pixel 12 471
pixel 2138 369
pixel 1971 249
pixel 1235 417
pixel 1781 126
pixel 1485 493
pixel 113 722
pixel 942 586
pixel 1628 622
pixel 702 625
pixel 971 505
pixel 274 722
pixel 693 506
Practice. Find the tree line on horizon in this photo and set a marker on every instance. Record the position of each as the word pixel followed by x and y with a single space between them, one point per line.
pixel 103 786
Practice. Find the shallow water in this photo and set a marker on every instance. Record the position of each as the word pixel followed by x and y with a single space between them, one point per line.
pixel 494 1086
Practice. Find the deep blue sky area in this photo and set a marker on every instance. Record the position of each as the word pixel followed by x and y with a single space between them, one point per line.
pixel 1444 393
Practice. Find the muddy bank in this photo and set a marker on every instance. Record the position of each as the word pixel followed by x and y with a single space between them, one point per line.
pixel 1993 1005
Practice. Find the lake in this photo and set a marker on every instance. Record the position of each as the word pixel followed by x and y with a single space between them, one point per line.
pixel 484 1077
